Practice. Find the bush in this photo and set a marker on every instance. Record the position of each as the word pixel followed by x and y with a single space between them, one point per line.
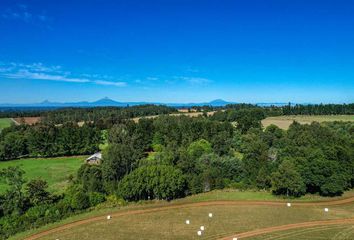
pixel 155 181
pixel 96 198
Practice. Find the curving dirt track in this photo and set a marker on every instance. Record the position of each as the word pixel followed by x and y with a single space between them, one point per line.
pixel 289 227
pixel 210 203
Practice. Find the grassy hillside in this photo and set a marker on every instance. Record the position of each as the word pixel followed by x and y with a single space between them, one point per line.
pixel 227 219
pixel 54 170
pixel 285 121
pixel 4 123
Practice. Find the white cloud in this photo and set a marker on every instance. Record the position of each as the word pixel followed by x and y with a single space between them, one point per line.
pixel 117 84
pixel 38 71
pixel 196 80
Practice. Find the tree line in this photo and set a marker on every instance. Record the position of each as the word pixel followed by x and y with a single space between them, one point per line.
pixel 48 140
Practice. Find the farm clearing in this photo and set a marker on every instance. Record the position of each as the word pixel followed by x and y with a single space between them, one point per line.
pixel 4 123
pixel 285 121
pixel 56 171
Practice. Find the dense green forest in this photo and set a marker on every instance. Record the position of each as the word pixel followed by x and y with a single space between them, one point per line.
pixel 48 140
pixel 171 157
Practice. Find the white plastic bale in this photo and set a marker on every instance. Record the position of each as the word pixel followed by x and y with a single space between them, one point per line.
pixel 202 228
pixel 234 238
pixel 326 209
pixel 210 215
pixel 187 222
pixel 199 233
pixel 288 204
pixel 109 217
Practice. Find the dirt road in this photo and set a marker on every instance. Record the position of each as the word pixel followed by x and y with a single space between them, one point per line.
pixel 289 227
pixel 209 203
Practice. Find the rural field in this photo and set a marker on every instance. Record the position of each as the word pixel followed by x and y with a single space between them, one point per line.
pixel 55 171
pixel 4 123
pixel 245 215
pixel 27 120
pixel 285 121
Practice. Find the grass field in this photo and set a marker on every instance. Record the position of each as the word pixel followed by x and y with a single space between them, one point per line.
pixel 228 219
pixel 339 232
pixel 170 224
pixel 4 123
pixel 285 121
pixel 54 170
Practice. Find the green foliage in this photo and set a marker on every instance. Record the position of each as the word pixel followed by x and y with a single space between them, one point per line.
pixel 198 148
pixel 36 191
pixel 45 140
pixel 149 182
pixel 14 199
pixel 96 198
pixel 249 118
pixel 90 176
pixel 77 198
pixel 286 180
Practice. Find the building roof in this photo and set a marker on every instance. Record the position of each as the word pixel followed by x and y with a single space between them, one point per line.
pixel 96 155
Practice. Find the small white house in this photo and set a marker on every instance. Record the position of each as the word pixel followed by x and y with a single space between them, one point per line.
pixel 94 159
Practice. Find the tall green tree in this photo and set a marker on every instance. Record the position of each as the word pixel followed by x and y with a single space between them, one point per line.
pixel 287 180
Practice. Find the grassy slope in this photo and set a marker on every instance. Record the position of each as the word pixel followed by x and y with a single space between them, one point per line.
pixel 4 123
pixel 229 217
pixel 285 121
pixel 54 170
pixel 344 232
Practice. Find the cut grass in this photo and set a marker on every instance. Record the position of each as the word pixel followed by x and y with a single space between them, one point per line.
pixel 55 171
pixel 4 123
pixel 236 218
pixel 343 232
pixel 285 121
pixel 170 224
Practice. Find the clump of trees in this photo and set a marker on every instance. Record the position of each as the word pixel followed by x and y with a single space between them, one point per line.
pixel 47 140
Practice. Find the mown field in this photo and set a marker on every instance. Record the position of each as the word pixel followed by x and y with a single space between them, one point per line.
pixel 55 171
pixel 285 121
pixel 167 220
pixel 4 123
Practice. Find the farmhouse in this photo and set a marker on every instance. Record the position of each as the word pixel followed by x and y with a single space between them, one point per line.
pixel 94 159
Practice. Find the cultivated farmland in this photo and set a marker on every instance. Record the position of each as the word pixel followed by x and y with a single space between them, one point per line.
pixel 27 120
pixel 285 121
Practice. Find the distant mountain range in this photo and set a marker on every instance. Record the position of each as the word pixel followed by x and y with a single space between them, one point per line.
pixel 107 102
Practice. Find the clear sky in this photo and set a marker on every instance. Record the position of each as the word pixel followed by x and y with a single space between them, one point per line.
pixel 177 50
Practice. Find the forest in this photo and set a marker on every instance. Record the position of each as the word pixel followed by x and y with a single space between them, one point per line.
pixel 172 157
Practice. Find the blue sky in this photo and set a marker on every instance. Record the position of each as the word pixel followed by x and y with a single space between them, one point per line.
pixel 177 51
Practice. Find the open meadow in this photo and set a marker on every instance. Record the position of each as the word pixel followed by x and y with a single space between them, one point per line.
pixel 4 123
pixel 230 218
pixel 55 171
pixel 285 121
